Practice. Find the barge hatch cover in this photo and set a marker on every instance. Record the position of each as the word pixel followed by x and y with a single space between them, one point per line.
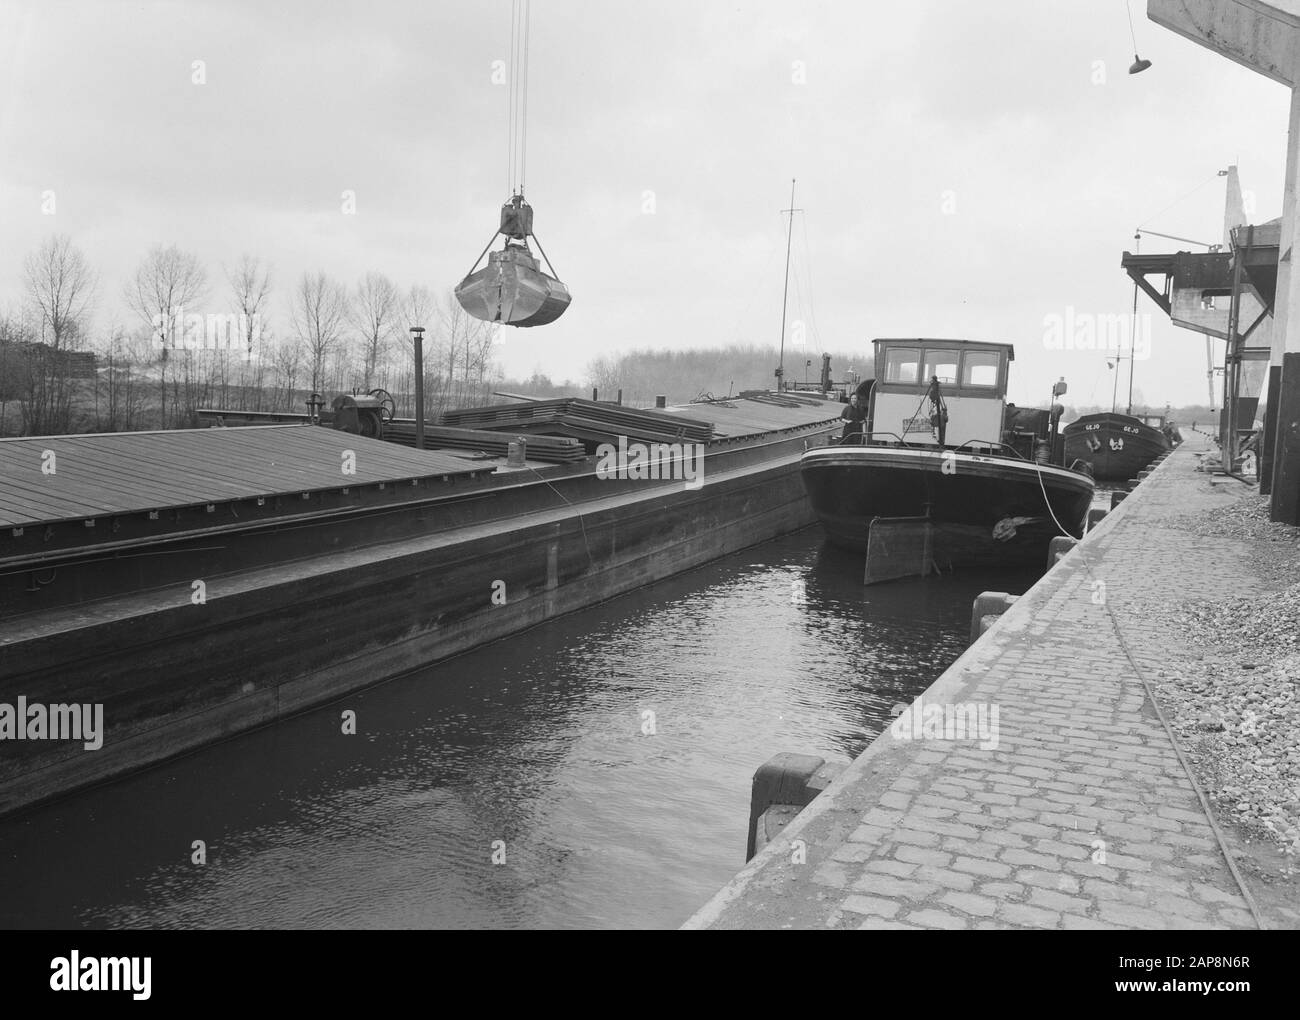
pixel 750 415
pixel 46 479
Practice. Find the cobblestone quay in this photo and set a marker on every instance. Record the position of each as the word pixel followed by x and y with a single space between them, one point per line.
pixel 1069 806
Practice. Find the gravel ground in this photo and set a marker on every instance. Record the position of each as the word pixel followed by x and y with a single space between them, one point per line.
pixel 1235 700
pixel 1246 520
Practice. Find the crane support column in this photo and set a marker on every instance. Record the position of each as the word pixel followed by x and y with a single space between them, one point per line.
pixel 1264 35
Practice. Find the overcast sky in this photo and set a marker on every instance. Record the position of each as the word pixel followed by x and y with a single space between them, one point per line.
pixel 962 171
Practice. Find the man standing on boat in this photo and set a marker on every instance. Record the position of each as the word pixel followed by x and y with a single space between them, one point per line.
pixel 854 415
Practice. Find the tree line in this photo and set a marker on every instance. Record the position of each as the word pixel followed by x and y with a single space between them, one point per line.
pixel 60 372
pixel 683 375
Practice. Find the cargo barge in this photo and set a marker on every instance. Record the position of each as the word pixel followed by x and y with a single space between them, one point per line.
pixel 1116 446
pixel 200 583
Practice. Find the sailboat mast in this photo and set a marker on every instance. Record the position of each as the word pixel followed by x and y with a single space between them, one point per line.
pixel 785 295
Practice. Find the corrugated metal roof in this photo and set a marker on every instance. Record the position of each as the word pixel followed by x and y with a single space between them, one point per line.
pixel 126 472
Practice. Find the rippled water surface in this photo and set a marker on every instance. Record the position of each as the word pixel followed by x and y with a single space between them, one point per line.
pixel 536 741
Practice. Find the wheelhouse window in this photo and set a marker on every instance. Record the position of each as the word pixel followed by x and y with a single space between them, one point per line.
pixel 942 364
pixel 980 368
pixel 901 364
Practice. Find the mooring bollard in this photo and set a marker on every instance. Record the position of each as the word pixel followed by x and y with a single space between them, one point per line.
pixel 1095 516
pixel 985 610
pixel 1057 548
pixel 785 781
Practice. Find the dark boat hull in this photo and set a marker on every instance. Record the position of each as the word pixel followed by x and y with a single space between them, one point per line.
pixel 1117 446
pixel 300 612
pixel 964 496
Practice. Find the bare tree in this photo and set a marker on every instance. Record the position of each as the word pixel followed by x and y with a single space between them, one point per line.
pixel 165 282
pixel 468 342
pixel 605 374
pixel 375 313
pixel 320 312
pixel 419 308
pixel 60 285
pixel 288 363
pixel 250 283
pixel 119 379
pixel 16 343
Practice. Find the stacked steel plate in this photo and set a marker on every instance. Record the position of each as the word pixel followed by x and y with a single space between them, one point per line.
pixel 588 420
pixel 552 449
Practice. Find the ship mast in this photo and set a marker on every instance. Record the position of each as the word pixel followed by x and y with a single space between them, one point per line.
pixel 785 295
pixel 1132 334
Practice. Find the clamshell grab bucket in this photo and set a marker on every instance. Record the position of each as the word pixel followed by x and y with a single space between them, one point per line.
pixel 512 289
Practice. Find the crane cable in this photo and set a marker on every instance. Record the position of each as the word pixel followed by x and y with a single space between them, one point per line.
pixel 1177 201
pixel 517 143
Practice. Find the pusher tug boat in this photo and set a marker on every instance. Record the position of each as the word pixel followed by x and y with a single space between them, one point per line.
pixel 991 498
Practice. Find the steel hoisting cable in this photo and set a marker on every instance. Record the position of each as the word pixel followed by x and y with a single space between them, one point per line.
pixel 517 144
pixel 523 85
pixel 513 73
pixel 1177 201
pixel 514 76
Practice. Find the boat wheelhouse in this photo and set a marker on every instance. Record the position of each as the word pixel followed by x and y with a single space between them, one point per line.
pixel 943 449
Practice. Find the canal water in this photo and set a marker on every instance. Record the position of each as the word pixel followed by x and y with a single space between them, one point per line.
pixel 593 772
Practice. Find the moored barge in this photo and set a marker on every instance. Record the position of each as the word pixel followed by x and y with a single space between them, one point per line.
pixel 1116 446
pixel 199 583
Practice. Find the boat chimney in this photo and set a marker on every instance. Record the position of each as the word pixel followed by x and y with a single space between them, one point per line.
pixel 417 348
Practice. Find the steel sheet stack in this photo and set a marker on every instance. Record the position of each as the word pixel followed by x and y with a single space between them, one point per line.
pixel 588 420
pixel 552 449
